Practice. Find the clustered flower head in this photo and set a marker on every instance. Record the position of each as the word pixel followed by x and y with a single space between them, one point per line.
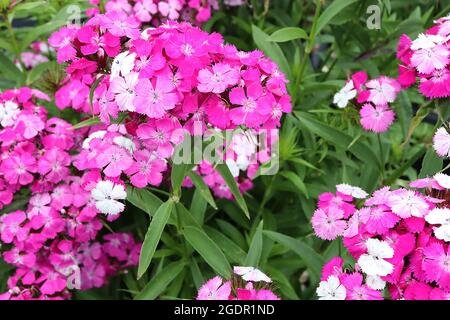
pixel 165 82
pixel 398 238
pixel 53 243
pixel 373 96
pixel 248 283
pixel 156 12
pixel 427 58
pixel 37 55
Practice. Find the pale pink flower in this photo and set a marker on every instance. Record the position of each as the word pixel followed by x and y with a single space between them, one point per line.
pixel 328 224
pixel 155 100
pixel 376 118
pixel 215 289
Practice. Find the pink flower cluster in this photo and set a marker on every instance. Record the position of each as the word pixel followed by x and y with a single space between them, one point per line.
pixel 374 96
pixel 38 55
pixel 166 82
pixel 243 157
pixel 427 58
pixel 54 241
pixel 398 238
pixel 156 12
pixel 248 283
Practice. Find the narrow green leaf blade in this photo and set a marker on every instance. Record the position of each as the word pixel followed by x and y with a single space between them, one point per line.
pixel 312 259
pixel 153 236
pixel 287 34
pixel 272 50
pixel 143 199
pixel 160 281
pixel 224 171
pixel 202 188
pixel 330 12
pixel 209 251
pixel 256 247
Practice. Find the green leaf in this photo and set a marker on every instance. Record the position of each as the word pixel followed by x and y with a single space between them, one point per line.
pixel 256 247
pixel 338 138
pixel 92 91
pixel 198 207
pixel 431 164
pixel 224 171
pixel 330 12
pixel 29 5
pixel 312 259
pixel 9 69
pixel 296 181
pixel 36 73
pixel 287 34
pixel 59 20
pixel 153 236
pixel 209 251
pixel 160 281
pixel 201 186
pixel 282 282
pixel 272 50
pixel 87 123
pixel 143 199
pixel 179 172
pixel 228 246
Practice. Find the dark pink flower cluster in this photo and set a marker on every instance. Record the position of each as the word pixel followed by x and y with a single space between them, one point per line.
pixel 166 82
pixel 53 242
pixel 427 58
pixel 248 283
pixel 156 12
pixel 398 238
pixel 374 97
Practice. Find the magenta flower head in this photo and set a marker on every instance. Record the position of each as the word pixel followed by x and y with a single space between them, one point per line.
pixel 399 240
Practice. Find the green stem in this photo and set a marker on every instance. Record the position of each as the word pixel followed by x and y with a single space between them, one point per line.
pixel 380 146
pixel 13 40
pixel 308 49
pixel 266 195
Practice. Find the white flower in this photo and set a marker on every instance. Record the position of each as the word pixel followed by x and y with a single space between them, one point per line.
pixel 443 180
pixel 242 162
pixel 125 143
pixel 343 96
pixel 375 282
pixel 8 113
pixel 251 274
pixel 331 289
pixel 97 134
pixel 372 263
pixel 440 216
pixel 232 165
pixel 426 41
pixel 106 194
pixel 122 64
pixel 406 203
pixel 349 190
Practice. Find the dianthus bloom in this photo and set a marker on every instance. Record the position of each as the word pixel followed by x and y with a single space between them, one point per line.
pixel 399 240
pixel 53 243
pixel 427 59
pixel 441 142
pixel 171 82
pixel 243 283
pixel 373 97
pixel 156 12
